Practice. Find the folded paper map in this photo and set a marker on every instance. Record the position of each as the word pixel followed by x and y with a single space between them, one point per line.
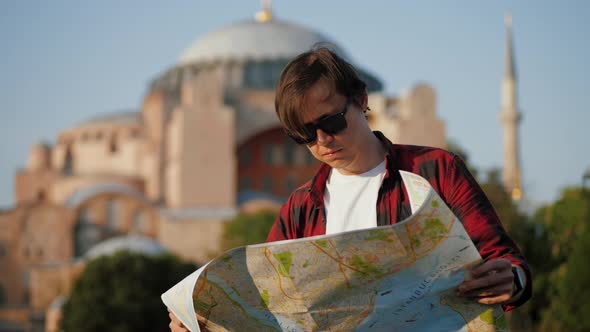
pixel 392 278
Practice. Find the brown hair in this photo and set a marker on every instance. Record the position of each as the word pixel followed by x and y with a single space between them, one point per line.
pixel 304 71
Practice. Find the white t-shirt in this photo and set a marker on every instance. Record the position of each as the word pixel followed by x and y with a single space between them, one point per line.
pixel 351 200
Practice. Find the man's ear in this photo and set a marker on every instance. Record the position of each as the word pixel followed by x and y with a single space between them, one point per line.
pixel 365 101
pixel 362 101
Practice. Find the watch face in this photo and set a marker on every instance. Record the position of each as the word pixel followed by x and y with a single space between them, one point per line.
pixel 518 280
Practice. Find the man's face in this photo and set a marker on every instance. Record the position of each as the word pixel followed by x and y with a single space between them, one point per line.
pixel 343 150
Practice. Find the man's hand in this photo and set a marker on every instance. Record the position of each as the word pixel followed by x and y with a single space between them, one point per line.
pixel 491 282
pixel 175 324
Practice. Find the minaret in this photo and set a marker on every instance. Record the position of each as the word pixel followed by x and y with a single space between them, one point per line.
pixel 510 118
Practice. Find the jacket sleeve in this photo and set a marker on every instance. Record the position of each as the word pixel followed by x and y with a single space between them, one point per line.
pixel 282 228
pixel 468 201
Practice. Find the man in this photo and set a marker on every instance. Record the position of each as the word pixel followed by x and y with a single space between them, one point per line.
pixel 321 102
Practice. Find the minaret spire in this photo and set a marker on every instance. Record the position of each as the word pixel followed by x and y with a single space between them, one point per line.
pixel 509 65
pixel 510 118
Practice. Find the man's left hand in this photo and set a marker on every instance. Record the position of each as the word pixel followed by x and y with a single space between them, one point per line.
pixel 491 282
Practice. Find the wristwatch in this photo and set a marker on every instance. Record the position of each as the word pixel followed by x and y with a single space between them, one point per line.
pixel 518 280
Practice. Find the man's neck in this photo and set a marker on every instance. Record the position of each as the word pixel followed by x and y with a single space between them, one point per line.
pixel 376 152
pixel 373 153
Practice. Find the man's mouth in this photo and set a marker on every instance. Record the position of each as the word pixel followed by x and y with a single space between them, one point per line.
pixel 333 152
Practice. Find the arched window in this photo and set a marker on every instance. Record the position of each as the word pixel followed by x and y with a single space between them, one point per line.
pixel 86 234
pixel 140 223
pixel 278 155
pixel 290 184
pixel 27 283
pixel 267 184
pixel 113 144
pixel 290 149
pixel 68 161
pixel 268 154
pixel 2 296
pixel 245 157
pixel 310 158
pixel 41 195
pixel 113 213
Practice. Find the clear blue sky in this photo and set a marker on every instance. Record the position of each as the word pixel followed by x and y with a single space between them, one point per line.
pixel 62 62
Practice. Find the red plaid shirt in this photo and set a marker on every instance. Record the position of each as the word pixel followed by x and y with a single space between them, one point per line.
pixel 303 214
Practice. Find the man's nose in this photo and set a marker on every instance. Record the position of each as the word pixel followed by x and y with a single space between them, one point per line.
pixel 323 138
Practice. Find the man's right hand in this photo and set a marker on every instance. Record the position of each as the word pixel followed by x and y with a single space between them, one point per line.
pixel 175 324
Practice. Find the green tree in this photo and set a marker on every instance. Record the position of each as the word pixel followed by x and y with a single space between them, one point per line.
pixel 573 289
pixel 247 229
pixel 121 293
pixel 505 207
pixel 568 282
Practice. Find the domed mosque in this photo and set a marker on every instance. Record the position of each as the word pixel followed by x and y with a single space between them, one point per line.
pixel 204 145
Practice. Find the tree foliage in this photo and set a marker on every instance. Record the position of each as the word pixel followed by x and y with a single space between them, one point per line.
pixel 555 241
pixel 568 281
pixel 121 293
pixel 247 229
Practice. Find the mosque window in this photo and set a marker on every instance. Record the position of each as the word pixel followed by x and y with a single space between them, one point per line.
pixel 290 184
pixel 268 74
pixel 267 184
pixel 278 155
pixel 134 133
pixel 99 135
pixel 260 74
pixel 26 296
pixel 87 233
pixel 140 223
pixel 289 150
pixel 26 278
pixel 310 158
pixel 41 195
pixel 68 161
pixel 249 75
pixel 245 157
pixel 268 154
pixel 300 156
pixel 276 70
pixel 245 183
pixel 113 212
pixel 113 144
pixel 2 250
pixel 2 295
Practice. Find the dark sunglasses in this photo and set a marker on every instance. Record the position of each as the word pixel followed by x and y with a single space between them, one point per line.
pixel 331 125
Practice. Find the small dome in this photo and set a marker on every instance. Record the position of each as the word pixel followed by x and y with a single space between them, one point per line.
pixel 253 40
pixel 133 243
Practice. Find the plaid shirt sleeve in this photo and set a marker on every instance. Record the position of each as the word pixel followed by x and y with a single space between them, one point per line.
pixel 280 229
pixel 468 201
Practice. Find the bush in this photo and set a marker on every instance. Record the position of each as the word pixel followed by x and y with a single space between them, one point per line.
pixel 247 229
pixel 121 293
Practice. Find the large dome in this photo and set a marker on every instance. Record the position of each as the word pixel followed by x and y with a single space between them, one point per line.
pixel 253 52
pixel 253 40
